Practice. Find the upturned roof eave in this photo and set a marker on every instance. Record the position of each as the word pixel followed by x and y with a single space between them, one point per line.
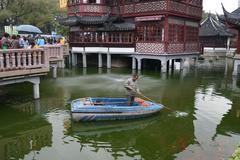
pixel 212 28
pixel 231 18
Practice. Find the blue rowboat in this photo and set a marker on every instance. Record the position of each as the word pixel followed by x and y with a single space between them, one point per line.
pixel 103 109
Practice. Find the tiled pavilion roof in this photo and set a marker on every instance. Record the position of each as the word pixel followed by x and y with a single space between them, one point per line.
pixel 232 18
pixel 108 23
pixel 213 27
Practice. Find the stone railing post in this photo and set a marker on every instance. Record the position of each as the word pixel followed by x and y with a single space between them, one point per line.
pixel 19 60
pixel 61 52
pixel 35 58
pixel 1 62
pixel 7 61
pixel 13 60
pixel 39 55
pixel 29 59
pixel 24 57
pixel 45 55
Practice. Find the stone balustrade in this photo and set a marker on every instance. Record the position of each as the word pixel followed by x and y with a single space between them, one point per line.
pixel 54 52
pixel 27 65
pixel 17 62
pixel 65 50
pixel 21 62
pixel 21 59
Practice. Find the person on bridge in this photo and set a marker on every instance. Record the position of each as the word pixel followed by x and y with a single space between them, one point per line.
pixel 131 88
pixel 5 42
pixel 40 41
pixel 15 42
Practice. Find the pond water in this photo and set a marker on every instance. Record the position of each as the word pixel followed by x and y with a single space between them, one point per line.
pixel 42 129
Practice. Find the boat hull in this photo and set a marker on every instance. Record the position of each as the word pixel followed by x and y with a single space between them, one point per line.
pixel 87 113
pixel 110 116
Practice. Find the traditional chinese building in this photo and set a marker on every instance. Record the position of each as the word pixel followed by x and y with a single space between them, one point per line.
pixel 164 30
pixel 233 21
pixel 214 34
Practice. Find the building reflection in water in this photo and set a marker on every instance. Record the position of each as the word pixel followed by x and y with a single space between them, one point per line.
pixel 141 139
pixel 200 135
pixel 210 111
pixel 150 138
pixel 23 131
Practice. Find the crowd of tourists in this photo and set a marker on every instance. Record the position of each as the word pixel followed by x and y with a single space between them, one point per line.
pixel 27 42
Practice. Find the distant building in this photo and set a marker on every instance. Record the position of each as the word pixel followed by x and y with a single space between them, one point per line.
pixel 214 34
pixel 157 27
pixel 233 21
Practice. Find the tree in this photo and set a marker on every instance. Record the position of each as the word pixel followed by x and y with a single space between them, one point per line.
pixel 40 13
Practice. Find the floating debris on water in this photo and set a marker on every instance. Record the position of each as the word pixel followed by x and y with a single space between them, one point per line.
pixel 181 114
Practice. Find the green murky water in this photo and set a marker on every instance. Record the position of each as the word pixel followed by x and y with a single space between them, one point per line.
pixel 43 130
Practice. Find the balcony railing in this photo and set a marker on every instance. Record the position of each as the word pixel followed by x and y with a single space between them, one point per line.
pixel 88 9
pixel 138 8
pixel 169 48
pixel 148 8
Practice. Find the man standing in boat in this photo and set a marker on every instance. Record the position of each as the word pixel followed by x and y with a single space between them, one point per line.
pixel 131 88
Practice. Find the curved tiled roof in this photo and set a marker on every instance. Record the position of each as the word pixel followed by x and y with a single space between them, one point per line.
pixel 125 26
pixel 108 23
pixel 85 20
pixel 69 21
pixel 213 27
pixel 232 18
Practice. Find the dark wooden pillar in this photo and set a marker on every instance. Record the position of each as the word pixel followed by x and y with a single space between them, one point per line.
pixel 238 42
pixel 120 37
pixel 166 31
pixel 106 37
pixel 184 36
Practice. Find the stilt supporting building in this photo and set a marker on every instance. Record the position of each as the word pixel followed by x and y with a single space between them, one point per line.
pixel 163 30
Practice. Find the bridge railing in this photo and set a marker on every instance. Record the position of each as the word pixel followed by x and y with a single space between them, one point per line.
pixel 13 59
pixel 54 52
pixel 15 62
pixel 65 49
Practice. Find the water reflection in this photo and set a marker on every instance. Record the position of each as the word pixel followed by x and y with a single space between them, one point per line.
pixel 232 117
pixel 142 139
pixel 22 132
pixel 235 84
pixel 210 109
pixel 44 127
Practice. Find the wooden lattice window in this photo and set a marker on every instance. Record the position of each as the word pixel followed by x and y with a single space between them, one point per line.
pixel 149 32
pixel 125 36
pixel 192 34
pixel 176 33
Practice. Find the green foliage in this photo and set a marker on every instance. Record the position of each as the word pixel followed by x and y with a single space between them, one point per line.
pixel 236 155
pixel 40 13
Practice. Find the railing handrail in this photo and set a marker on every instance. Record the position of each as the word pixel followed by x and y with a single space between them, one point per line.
pixel 21 49
pixel 134 4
